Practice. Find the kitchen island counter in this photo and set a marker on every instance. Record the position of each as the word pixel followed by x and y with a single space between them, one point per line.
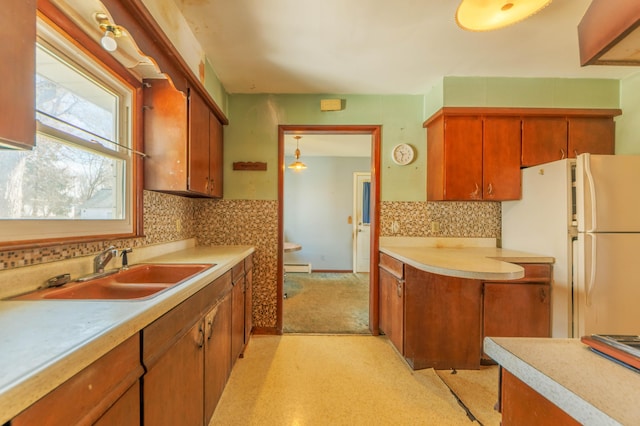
pixel 474 258
pixel 588 387
pixel 46 342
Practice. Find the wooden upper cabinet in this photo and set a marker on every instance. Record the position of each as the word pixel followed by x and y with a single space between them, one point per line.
pixel 198 151
pixel 454 158
pixel 501 159
pixel 17 91
pixel 544 139
pixel 473 157
pixel 183 141
pixel 215 156
pixel 595 135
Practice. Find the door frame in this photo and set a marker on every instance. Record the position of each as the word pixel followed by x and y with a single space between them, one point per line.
pixel 376 138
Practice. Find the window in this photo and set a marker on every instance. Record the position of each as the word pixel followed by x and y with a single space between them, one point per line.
pixel 77 181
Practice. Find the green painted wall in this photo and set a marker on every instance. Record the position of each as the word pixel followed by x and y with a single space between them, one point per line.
pixel 215 88
pixel 252 135
pixel 628 124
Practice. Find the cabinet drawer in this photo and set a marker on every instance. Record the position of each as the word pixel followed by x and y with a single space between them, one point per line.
pixel 536 272
pixel 391 265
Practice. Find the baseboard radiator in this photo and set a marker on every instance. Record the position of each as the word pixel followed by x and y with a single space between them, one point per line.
pixel 297 267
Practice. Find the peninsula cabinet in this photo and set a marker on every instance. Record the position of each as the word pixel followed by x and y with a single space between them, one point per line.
pixel 107 392
pixel 187 355
pixel 438 321
pixel 518 308
pixel 391 299
pixel 17 91
pixel 473 157
pixel 183 142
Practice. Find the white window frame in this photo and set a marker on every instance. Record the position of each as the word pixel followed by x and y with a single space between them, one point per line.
pixel 17 230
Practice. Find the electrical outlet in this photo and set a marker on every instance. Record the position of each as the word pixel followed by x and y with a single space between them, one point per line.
pixel 395 227
pixel 178 225
pixel 435 226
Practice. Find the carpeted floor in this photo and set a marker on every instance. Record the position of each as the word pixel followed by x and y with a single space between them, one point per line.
pixel 333 380
pixel 320 302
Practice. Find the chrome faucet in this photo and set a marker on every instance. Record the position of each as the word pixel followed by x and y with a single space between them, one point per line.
pixel 102 258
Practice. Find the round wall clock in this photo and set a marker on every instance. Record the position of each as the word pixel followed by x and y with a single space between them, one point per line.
pixel 402 154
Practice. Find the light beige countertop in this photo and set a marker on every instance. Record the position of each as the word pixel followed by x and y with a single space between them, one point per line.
pixel 45 342
pixel 590 388
pixel 474 258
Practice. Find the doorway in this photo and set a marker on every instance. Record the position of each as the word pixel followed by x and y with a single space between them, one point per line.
pixel 373 133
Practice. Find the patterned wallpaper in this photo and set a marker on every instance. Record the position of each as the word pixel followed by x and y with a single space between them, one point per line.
pixel 255 222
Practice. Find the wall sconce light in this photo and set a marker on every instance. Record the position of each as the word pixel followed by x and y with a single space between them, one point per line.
pixel 487 15
pixel 297 165
pixel 111 32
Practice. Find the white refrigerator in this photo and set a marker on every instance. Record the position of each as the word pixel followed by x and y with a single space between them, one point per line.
pixel 586 214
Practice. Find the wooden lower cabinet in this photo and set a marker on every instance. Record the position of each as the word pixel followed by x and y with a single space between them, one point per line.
pixel 248 298
pixel 237 312
pixel 217 360
pixel 442 321
pixel 438 321
pixel 107 392
pixel 187 353
pixel 391 299
pixel 523 406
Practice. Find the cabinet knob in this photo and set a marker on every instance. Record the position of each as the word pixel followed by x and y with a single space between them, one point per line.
pixel 543 295
pixel 476 193
pixel 490 189
pixel 200 336
pixel 399 288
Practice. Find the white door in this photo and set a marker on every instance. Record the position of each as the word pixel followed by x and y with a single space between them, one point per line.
pixel 361 228
pixel 608 284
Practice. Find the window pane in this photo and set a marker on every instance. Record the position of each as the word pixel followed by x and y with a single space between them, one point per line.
pixel 70 101
pixel 59 181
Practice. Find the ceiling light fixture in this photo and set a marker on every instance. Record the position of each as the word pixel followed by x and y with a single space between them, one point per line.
pixel 111 32
pixel 487 15
pixel 297 165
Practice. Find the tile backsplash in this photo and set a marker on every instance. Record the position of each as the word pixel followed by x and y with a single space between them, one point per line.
pixel 169 218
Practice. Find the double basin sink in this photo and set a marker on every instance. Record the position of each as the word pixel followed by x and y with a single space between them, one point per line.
pixel 137 282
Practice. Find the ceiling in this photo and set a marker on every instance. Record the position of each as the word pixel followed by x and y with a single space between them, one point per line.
pixel 378 46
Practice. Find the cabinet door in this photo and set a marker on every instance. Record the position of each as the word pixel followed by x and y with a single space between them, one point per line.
pixel 392 308
pixel 17 91
pixel 173 391
pixel 198 144
pixel 516 310
pixel 107 388
pixel 248 305
pixel 237 318
pixel 217 363
pixel 544 139
pixel 442 321
pixel 501 158
pixel 463 158
pixel 215 156
pixel 595 135
pixel 165 137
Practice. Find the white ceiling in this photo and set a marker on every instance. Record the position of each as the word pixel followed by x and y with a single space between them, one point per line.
pixel 378 46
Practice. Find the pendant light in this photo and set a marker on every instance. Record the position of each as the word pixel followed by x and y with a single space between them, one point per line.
pixel 487 15
pixel 297 165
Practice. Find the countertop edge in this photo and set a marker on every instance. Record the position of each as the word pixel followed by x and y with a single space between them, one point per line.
pixel 19 394
pixel 575 406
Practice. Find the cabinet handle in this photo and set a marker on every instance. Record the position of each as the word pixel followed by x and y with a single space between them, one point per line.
pixel 210 318
pixel 543 295
pixel 476 193
pixel 200 339
pixel 399 288
pixel 490 189
pixel 562 152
